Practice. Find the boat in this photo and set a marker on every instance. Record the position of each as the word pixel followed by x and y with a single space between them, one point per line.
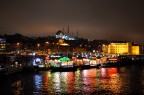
pixel 108 65
pixel 95 62
pixel 62 64
pixel 11 69
pixel 63 69
pixel 10 64
pixel 95 66
pixel 110 62
pixel 85 64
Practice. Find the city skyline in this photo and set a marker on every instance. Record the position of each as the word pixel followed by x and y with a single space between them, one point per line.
pixel 110 20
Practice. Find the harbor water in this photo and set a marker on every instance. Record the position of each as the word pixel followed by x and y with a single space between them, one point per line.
pixel 96 81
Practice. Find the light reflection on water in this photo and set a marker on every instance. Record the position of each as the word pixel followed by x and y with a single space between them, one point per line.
pixel 79 82
pixel 17 88
pixel 90 81
pixel 38 81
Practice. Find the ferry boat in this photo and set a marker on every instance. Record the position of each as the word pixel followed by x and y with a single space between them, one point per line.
pixel 10 64
pixel 85 64
pixel 95 62
pixel 63 69
pixel 110 62
pixel 62 64
pixel 11 69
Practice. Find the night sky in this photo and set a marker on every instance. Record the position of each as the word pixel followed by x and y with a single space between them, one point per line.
pixel 95 19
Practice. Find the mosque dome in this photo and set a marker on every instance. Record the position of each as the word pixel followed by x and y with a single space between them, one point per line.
pixel 59 33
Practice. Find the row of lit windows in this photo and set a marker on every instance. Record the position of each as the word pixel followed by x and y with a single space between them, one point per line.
pixel 119 46
pixel 118 49
pixel 122 48
pixel 119 43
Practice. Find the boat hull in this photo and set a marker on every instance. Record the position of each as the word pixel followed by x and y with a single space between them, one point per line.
pixel 63 69
pixel 12 69
pixel 109 65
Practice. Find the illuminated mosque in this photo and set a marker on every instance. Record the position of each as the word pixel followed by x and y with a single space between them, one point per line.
pixel 61 36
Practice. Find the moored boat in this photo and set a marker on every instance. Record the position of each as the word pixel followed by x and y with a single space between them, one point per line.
pixel 11 69
pixel 63 69
pixel 62 64
pixel 111 62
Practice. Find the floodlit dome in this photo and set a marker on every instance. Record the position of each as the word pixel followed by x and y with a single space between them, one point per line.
pixel 59 34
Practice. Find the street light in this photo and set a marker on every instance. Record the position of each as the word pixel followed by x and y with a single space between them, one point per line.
pixel 47 44
pixel 38 45
pixel 46 47
pixel 17 45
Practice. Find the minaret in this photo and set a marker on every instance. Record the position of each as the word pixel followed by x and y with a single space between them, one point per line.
pixel 63 30
pixel 72 34
pixel 77 33
pixel 68 30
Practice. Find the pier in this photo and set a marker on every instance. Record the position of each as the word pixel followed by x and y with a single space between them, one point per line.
pixel 20 63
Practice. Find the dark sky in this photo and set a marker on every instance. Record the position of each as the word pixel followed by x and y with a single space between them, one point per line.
pixel 96 19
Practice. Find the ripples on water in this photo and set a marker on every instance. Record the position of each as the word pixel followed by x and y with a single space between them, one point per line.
pixel 110 81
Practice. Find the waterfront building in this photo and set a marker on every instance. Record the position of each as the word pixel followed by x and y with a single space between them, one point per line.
pixel 2 44
pixel 135 50
pixel 121 48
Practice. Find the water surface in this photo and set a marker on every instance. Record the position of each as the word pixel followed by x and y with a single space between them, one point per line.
pixel 110 81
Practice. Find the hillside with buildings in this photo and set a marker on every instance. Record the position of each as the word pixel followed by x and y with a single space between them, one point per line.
pixel 61 42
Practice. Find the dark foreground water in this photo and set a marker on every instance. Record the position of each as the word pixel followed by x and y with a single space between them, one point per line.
pixel 105 81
